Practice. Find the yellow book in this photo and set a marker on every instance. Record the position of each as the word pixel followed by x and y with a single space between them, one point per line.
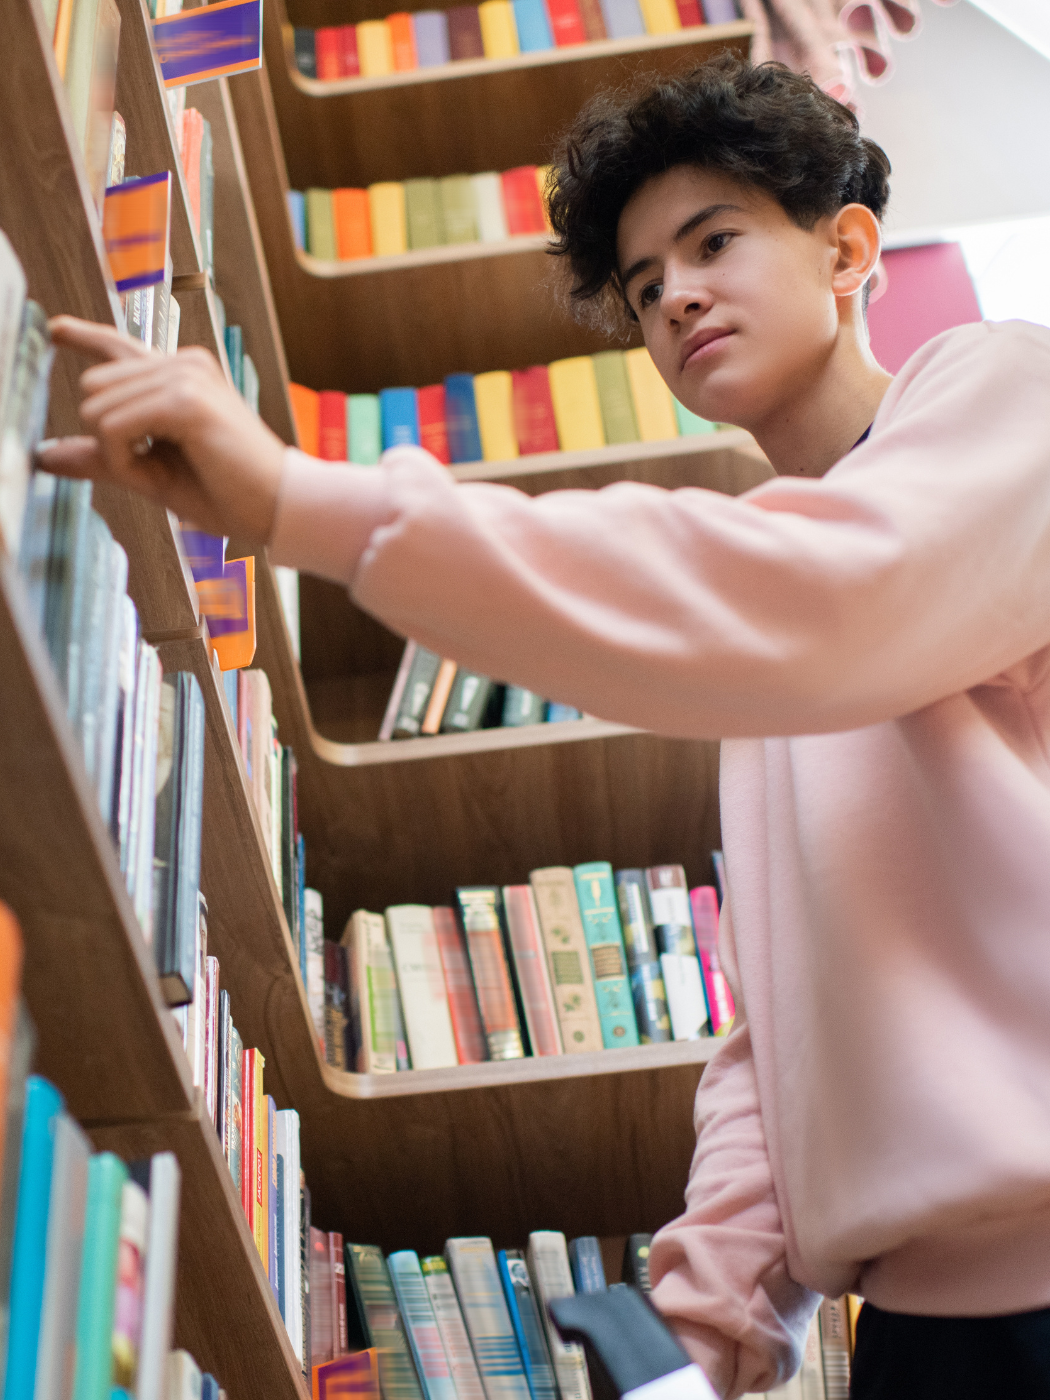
pixel 577 408
pixel 261 1176
pixel 494 401
pixel 499 33
pixel 386 207
pixel 653 404
pixel 659 16
pixel 375 48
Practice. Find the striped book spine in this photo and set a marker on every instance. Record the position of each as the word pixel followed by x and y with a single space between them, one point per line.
pixel 528 1326
pixel 453 1330
pixel 472 1263
pixel 424 1338
pixel 530 966
pixel 601 924
pixel 548 1259
pixel 374 1320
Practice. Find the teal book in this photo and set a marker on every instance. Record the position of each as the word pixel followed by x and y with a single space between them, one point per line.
pixel 364 433
pixel 528 1326
pixel 91 640
pixel 601 925
pixel 400 417
pixel 92 1378
pixel 522 707
pixel 428 1350
pixel 43 1106
pixel 643 957
pixel 472 1264
pixel 36 543
pixel 373 1319
pixel 234 338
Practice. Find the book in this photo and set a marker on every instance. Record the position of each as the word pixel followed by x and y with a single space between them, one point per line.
pixel 704 903
pixel 337 1040
pixel 527 1324
pixel 304 1272
pixel 234 340
pixel 20 1054
pixel 834 1346
pixel 25 411
pixel 688 13
pixel 585 1261
pixel 354 1377
pixel 306 413
pixel 184 1380
pixel 548 1261
pixel 488 204
pixel 261 1180
pixel 689 424
pixel 349 62
pixel 275 1206
pixel 189 44
pixel 499 33
pixel 458 206
pixel 811 1373
pixel 375 48
pixel 426 227
pixel 480 915
pixel 461 419
pixel 636 1262
pixel 337 1277
pixel 297 218
pixel 235 1119
pixel 12 302
pixel 289 844
pixel 530 969
pixel 67 1205
pixel 136 224
pixel 431 35
pixel 566 25
pixel 643 958
pixel 493 398
pixel 596 894
pixel 403 41
pixel 400 418
pixel 92 1375
pixel 661 17
pixel 466 703
pixel 464 32
pixel 449 1318
pixel 614 396
pixel 287 1129
pixel 653 404
pixel 472 1264
pixel 247 1120
pixel 421 1328
pixel 322 1299
pixel 158 1296
pixel 593 20
pixel 421 983
pixel 721 11
pixel 386 205
pixel 180 798
pixel 521 707
pixel 305 52
pixel 364 429
pixel 534 29
pixel 410 696
pixel 534 424
pixel 471 1048
pixel 130 1283
pixel 673 927
pixel 567 958
pixel 375 1002
pixel 577 408
pixel 433 435
pixel 320 224
pixel 328 53
pixel 313 933
pixel 90 82
pixel 373 1320
pixel 331 425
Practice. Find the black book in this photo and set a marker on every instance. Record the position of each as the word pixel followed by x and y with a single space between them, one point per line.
pixel 636 1261
pixel 305 53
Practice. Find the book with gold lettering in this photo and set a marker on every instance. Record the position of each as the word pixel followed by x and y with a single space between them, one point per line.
pixel 567 958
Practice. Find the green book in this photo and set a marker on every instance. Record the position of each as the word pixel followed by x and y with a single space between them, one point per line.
pixel 92 1379
pixel 467 703
pixel 426 225
pixel 601 926
pixel 614 396
pixel 364 432
pixel 320 224
pixel 458 208
pixel 689 425
pixel 374 1320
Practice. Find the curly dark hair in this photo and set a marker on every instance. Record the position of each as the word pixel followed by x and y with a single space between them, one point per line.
pixel 766 126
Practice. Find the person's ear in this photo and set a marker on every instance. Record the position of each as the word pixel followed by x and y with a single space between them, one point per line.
pixel 858 239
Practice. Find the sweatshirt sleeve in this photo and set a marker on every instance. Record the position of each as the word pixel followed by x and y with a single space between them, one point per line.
pixel 719 1272
pixel 911 571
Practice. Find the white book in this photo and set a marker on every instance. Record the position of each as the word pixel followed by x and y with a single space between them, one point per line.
pixel 286 1127
pixel 158 1299
pixel 138 765
pixel 184 1377
pixel 686 1002
pixel 65 1241
pixel 424 996
pixel 374 1000
pixel 109 688
pixel 174 320
pixel 12 299
pixel 811 1376
pixel 453 1330
pixel 148 795
pixel 833 1317
pixel 211 1037
pixel 126 672
pixel 250 382
pixel 548 1260
pixel 79 65
pixel 288 588
pixel 472 1264
pixel 314 935
pixel 488 198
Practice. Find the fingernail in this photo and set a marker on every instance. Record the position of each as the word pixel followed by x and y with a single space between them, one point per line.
pixel 45 445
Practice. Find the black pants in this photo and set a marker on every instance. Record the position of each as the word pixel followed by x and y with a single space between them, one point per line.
pixel 900 1357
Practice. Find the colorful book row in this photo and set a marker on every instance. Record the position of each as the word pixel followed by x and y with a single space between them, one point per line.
pixel 573 405
pixel 576 960
pixel 391 218
pixel 495 29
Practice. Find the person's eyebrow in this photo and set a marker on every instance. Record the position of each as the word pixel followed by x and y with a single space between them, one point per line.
pixel 711 211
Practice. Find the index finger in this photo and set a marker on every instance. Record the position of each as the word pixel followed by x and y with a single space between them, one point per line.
pixel 98 342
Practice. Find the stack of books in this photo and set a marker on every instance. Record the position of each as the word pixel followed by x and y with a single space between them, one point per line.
pixel 391 217
pixel 573 405
pixel 495 29
pixel 576 960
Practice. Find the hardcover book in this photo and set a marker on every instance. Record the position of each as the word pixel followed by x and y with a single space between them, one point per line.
pixel 328 53
pixel 548 1261
pixel 528 1325
pixel 336 1006
pixel 653 404
pixel 534 29
pixel 426 226
pixel 322 1299
pixel 614 395
pixel 499 33
pixel 704 902
pixel 661 17
pixel 534 424
pixel 419 677
pixel 373 1320
pixel 467 703
pixel 364 428
pixel 458 206
pixel 585 1260
pixel 386 204
pixel 643 958
pixel 424 1000
pixel 403 41
pixel 601 925
pixel 492 222
pixel 567 958
pixel 305 52
pixel 450 1324
pixel 349 62
pixel 433 435
pixel 320 224
pixel 471 1046
pixel 424 1337
pixel 493 398
pixel 431 33
pixel 530 968
pixel 521 707
pixel 461 418
pixel 93 1371
pixel 61 1265
pixel 472 1263
pixel 673 927
pixel 375 48
pixel 566 24
pixel 375 1003
pixel 400 418
pixel 331 416
pixel 158 1299
pixel 480 913
pixel 464 32
pixel 577 409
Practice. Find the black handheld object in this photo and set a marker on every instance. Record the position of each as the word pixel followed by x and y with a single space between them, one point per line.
pixel 626 1342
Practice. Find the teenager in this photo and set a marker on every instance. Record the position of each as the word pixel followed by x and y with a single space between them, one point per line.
pixel 868 632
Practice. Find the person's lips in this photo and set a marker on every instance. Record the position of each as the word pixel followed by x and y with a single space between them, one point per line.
pixel 702 342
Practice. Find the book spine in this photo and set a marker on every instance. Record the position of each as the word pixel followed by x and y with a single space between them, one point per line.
pixel 462 1000
pixel 636 1262
pixel 248 1139
pixel 643 958
pixel 335 1254
pixel 480 916
pixel 449 1318
pixel 528 1327
pixel 305 1298
pixel 235 1134
pixel 65 1235
pixel 601 926
pixel 397 1374
pixel 548 1262
pixel 530 966
pixel 375 1001
pixel 261 1179
pixel 322 1317
pixel 585 1260
pixel 277 1255
pixel 472 1263
pixel 421 1327
pixel 335 1008
pixel 272 1250
pixel 393 705
pixel 158 1307
pixel 98 1275
pixel 834 1346
pixel 676 939
pixel 704 902
pixel 424 1000
pixel 567 958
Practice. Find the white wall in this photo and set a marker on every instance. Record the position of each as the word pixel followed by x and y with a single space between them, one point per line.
pixel 965 120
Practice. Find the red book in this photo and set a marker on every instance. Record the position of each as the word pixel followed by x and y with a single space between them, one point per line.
pixel 328 50
pixel 689 13
pixel 521 200
pixel 464 32
pixel 248 1139
pixel 331 432
pixel 534 424
pixel 433 434
pixel 322 1319
pixel 704 901
pixel 349 64
pixel 462 1000
pixel 340 1345
pixel 566 22
pixel 593 20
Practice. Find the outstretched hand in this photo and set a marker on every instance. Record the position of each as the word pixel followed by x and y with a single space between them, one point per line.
pixel 171 428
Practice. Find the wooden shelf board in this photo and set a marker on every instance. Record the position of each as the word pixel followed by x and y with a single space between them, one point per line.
pixel 464 69
pixel 499 740
pixel 618 455
pixel 333 269
pixel 508 1073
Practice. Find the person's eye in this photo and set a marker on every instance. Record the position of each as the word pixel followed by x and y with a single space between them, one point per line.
pixel 650 294
pixel 716 242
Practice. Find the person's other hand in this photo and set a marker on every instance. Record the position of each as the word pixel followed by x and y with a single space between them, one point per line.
pixel 171 428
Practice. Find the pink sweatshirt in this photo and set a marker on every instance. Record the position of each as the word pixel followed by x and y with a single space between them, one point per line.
pixel 874 647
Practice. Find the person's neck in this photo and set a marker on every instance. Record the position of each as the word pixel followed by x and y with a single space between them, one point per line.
pixel 820 421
